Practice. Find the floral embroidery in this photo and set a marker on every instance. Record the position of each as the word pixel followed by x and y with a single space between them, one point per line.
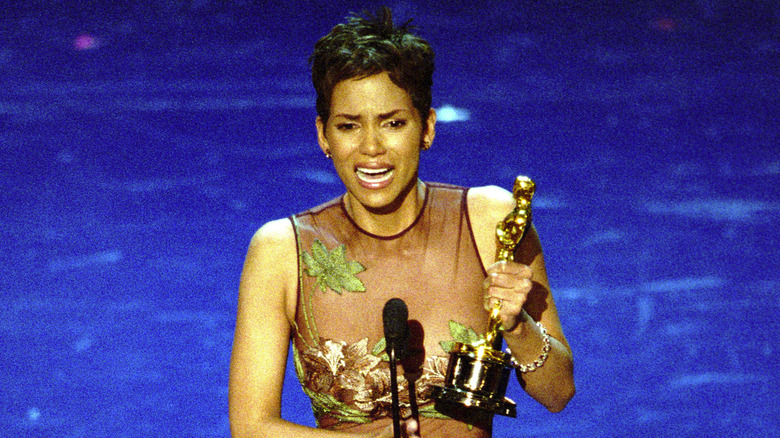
pixel 332 269
pixel 348 383
pixel 337 372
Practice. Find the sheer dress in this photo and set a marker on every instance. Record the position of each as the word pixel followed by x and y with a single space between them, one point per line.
pixel 346 275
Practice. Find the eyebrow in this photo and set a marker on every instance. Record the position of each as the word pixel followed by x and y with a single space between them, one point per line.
pixel 383 116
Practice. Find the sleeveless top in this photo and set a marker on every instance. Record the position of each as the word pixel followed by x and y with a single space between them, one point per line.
pixel 346 275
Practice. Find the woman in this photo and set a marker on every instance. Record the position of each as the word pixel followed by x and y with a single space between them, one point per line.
pixel 321 278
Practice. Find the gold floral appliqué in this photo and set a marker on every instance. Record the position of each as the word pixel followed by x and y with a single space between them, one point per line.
pixel 346 382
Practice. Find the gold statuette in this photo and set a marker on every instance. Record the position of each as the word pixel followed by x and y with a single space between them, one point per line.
pixel 478 373
pixel 509 233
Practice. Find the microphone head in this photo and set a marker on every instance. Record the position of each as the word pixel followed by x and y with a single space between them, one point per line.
pixel 395 316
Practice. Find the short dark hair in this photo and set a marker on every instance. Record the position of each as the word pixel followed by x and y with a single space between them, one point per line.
pixel 369 45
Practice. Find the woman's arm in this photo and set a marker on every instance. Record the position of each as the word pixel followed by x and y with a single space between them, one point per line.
pixel 551 384
pixel 262 334
pixel 526 298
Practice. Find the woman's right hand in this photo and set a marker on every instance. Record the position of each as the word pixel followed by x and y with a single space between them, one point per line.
pixel 409 429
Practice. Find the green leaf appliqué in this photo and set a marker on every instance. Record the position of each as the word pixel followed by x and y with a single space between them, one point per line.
pixel 332 269
pixel 460 333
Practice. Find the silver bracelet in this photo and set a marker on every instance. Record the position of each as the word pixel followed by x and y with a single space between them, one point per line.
pixel 540 360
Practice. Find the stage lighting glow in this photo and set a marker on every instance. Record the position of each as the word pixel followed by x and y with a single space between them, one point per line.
pixel 33 414
pixel 449 113
pixel 85 41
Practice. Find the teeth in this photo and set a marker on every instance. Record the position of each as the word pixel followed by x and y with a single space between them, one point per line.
pixel 371 171
pixel 374 175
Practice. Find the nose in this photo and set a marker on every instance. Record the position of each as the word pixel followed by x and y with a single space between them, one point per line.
pixel 371 143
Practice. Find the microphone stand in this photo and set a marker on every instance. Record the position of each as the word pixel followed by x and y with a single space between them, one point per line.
pixel 394 319
pixel 394 392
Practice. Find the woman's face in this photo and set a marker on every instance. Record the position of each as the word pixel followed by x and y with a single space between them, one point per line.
pixel 374 135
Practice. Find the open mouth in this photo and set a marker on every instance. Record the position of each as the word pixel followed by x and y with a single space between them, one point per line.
pixel 374 176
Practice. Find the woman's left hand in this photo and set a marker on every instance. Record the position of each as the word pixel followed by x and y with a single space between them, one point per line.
pixel 510 283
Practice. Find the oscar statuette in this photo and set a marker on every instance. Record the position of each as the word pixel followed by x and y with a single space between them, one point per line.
pixel 478 373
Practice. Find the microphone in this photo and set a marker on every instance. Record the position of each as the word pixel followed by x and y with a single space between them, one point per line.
pixel 395 317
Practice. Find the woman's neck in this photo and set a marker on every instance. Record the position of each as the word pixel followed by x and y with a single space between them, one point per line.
pixel 394 219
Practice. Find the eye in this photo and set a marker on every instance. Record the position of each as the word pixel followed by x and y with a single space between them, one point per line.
pixel 346 126
pixel 397 123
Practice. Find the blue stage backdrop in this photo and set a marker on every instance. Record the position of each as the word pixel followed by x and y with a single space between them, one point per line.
pixel 143 142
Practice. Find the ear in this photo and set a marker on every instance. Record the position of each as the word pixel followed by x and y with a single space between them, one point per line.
pixel 430 127
pixel 321 139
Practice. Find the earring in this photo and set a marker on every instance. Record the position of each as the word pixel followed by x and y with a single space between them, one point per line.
pixel 327 153
pixel 426 145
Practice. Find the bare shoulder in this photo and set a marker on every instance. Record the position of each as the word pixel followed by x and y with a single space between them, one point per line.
pixel 277 234
pixel 271 265
pixel 487 206
pixel 491 200
pixel 273 249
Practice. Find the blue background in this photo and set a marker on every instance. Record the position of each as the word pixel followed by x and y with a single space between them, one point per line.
pixel 142 143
